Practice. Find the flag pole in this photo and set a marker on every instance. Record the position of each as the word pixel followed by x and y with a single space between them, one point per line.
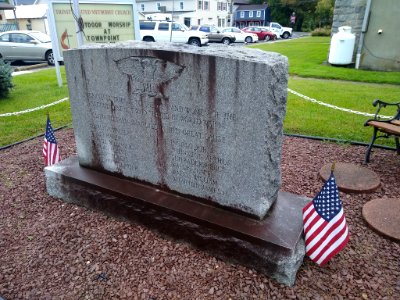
pixel 333 167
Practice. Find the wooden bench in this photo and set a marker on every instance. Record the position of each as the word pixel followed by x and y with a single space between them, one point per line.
pixel 387 128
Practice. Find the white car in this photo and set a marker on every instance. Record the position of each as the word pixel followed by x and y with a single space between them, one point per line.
pixel 279 30
pixel 241 36
pixel 166 31
pixel 26 45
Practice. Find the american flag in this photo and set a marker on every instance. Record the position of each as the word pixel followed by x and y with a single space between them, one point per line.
pixel 325 227
pixel 50 148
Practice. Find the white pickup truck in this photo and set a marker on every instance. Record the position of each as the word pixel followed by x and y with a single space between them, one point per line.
pixel 167 31
pixel 279 30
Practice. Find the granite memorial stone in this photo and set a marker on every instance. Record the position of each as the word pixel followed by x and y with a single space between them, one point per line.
pixel 188 141
pixel 205 122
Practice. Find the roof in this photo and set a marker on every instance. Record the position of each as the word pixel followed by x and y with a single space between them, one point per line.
pixel 238 2
pixel 6 6
pixel 252 7
pixel 37 11
pixel 24 2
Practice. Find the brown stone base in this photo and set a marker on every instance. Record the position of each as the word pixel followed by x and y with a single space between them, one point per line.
pixel 273 246
pixel 383 215
pixel 351 178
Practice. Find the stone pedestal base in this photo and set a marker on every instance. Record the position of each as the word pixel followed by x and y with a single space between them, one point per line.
pixel 273 246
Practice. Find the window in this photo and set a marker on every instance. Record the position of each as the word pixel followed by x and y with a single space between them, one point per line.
pixel 250 14
pixel 163 26
pixel 218 7
pixel 5 37
pixel 158 5
pixel 200 5
pixel 147 25
pixel 205 5
pixel 242 14
pixel 258 13
pixel 176 27
pixel 187 22
pixel 223 6
pixel 205 28
pixel 142 7
pixel 181 5
pixel 20 38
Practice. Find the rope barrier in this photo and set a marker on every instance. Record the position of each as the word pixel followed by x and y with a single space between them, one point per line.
pixel 336 107
pixel 33 109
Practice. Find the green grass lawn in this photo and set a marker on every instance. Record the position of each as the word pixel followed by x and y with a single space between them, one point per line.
pixel 33 90
pixel 307 118
pixel 308 58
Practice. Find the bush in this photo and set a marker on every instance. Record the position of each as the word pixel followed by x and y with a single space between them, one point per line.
pixel 5 79
pixel 321 32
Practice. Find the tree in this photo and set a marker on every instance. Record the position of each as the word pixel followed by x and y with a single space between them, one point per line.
pixel 324 12
pixel 305 10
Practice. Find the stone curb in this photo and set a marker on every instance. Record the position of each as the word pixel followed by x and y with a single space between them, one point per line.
pixel 24 68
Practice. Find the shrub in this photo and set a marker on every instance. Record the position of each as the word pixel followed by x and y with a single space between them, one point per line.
pixel 5 79
pixel 321 32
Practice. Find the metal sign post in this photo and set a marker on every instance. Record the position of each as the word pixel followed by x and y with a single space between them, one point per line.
pixel 78 23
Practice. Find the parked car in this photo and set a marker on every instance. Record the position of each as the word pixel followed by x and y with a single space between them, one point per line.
pixel 241 36
pixel 262 33
pixel 279 30
pixel 167 31
pixel 26 45
pixel 215 35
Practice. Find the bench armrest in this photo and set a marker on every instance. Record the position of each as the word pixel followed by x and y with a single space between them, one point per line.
pixel 382 104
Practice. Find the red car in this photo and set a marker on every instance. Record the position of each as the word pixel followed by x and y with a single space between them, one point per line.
pixel 262 33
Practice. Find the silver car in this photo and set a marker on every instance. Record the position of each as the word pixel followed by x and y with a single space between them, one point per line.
pixel 26 45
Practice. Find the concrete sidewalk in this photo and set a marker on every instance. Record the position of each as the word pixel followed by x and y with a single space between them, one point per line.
pixel 19 70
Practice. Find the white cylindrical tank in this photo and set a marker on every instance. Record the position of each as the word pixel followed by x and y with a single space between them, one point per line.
pixel 342 46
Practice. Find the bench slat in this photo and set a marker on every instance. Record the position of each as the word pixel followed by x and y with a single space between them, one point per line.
pixel 395 122
pixel 386 127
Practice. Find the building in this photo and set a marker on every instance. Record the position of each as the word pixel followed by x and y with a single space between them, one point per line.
pixel 375 24
pixel 30 17
pixel 251 15
pixel 4 24
pixel 188 12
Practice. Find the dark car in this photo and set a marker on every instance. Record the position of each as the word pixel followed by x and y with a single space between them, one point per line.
pixel 214 34
pixel 262 33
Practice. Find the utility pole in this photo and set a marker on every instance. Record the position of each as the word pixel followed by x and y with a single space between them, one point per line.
pixel 15 14
pixel 172 19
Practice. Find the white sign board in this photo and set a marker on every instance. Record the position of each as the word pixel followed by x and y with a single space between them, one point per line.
pixel 104 21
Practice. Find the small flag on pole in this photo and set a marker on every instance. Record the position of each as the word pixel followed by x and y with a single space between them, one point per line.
pixel 325 228
pixel 51 152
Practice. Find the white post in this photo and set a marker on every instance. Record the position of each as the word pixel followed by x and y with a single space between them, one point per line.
pixel 79 33
pixel 58 72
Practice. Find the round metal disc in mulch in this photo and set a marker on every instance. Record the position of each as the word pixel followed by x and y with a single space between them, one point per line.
pixel 351 178
pixel 383 215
